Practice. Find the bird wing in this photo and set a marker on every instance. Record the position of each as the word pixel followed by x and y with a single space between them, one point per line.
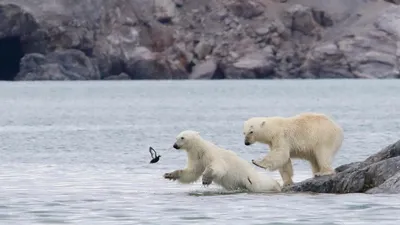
pixel 151 150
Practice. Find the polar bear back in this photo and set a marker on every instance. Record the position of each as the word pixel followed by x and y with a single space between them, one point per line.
pixel 303 133
pixel 232 171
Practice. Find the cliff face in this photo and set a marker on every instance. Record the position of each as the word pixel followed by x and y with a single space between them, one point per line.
pixel 208 39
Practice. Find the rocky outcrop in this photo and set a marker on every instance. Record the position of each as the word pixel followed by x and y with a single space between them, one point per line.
pixel 256 39
pixel 59 65
pixel 380 173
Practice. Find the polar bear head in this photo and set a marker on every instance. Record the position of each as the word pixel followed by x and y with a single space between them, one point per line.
pixel 252 127
pixel 186 139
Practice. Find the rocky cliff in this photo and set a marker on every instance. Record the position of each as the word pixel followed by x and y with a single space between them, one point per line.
pixel 190 39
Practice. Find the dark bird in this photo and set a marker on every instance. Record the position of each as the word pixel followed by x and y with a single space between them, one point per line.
pixel 154 157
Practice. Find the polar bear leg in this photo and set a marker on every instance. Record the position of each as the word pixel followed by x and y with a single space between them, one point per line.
pixel 314 166
pixel 286 172
pixel 274 160
pixel 324 162
pixel 183 176
pixel 208 176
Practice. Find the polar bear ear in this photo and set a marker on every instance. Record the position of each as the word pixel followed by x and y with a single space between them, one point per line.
pixel 262 124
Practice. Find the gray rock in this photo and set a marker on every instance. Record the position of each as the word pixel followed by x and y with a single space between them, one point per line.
pixel 146 65
pixel 203 48
pixel 178 3
pixel 390 186
pixel 59 65
pixel 253 65
pixel 397 2
pixel 17 22
pixel 262 31
pixel 377 174
pixel 300 18
pixel 164 10
pixel 246 8
pixel 122 76
pixel 205 70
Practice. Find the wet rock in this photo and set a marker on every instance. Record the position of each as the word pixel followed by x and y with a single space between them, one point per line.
pixel 377 174
pixel 60 65
pixel 390 186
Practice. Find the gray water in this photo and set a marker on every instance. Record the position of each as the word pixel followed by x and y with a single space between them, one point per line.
pixel 77 152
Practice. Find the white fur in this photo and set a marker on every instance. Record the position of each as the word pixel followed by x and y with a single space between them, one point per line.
pixel 310 136
pixel 218 165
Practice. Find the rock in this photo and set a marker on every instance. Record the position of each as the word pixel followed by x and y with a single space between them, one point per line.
pixel 397 2
pixel 390 186
pixel 328 61
pixel 246 8
pixel 300 18
pixel 59 65
pixel 178 3
pixel 146 65
pixel 122 76
pixel 262 31
pixel 322 18
pixel 377 174
pixel 253 65
pixel 203 48
pixel 15 22
pixel 205 70
pixel 164 10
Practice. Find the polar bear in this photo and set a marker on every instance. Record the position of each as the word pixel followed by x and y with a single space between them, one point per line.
pixel 218 165
pixel 309 136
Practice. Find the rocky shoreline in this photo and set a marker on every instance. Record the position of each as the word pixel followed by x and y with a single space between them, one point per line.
pixel 188 39
pixel 378 174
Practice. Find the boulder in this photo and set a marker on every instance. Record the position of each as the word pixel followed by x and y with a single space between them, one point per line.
pixel 254 65
pixel 59 65
pixel 246 8
pixel 146 65
pixel 164 10
pixel 204 70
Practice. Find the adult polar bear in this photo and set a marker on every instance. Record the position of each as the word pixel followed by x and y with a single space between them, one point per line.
pixel 310 136
pixel 218 165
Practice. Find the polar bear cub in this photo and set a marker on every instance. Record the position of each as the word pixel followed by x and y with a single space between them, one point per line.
pixel 218 165
pixel 309 136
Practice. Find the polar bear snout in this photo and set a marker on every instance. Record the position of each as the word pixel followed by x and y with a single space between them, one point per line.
pixel 249 139
pixel 176 146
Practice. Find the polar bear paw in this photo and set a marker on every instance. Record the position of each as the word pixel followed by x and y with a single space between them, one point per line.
pixel 172 176
pixel 207 180
pixel 260 164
